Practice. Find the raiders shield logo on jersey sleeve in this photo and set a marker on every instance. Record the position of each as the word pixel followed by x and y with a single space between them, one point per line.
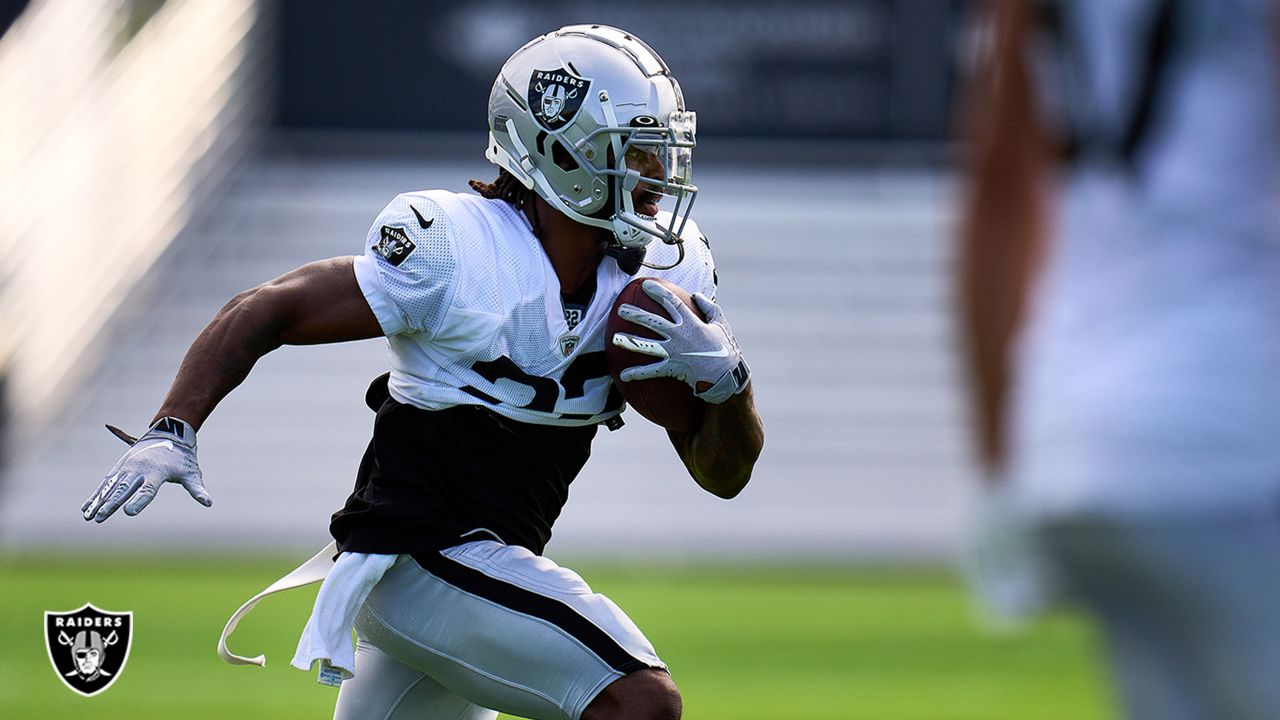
pixel 88 647
pixel 555 96
pixel 394 245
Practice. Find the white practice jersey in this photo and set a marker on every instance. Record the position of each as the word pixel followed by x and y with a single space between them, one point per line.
pixel 1150 370
pixel 473 315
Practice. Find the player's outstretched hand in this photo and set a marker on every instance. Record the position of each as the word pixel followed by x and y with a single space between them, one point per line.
pixel 703 355
pixel 166 453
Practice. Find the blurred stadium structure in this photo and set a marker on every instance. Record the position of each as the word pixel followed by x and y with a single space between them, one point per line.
pixel 864 69
pixel 115 119
pixel 833 256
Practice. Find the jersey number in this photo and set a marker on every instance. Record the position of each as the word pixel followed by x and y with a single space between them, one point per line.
pixel 546 392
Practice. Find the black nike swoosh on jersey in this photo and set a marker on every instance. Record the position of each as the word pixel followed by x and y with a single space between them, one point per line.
pixel 423 222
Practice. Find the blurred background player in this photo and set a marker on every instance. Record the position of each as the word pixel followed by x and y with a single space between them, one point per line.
pixel 488 413
pixel 1121 276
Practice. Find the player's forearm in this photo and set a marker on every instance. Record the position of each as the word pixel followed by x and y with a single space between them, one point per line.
pixel 1000 244
pixel 990 300
pixel 221 357
pixel 722 454
pixel 1002 220
pixel 989 322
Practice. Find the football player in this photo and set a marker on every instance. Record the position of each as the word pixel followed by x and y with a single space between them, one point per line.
pixel 1124 348
pixel 494 307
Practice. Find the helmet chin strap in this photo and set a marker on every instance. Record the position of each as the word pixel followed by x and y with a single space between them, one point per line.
pixel 629 259
pixel 678 260
pixel 626 233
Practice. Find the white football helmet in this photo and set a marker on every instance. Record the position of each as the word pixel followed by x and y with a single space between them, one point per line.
pixel 575 114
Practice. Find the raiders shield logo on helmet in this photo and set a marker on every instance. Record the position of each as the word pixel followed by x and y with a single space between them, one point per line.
pixel 88 647
pixel 555 97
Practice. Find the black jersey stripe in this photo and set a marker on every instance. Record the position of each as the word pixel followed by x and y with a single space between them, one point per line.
pixel 530 603
pixel 1086 135
pixel 477 393
pixel 1155 81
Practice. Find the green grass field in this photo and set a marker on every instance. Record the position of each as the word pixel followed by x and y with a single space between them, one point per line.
pixel 743 643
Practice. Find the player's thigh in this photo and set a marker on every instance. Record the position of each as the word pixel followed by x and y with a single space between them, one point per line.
pixel 1184 603
pixel 504 628
pixel 386 689
pixel 1230 578
pixel 1152 666
pixel 1110 575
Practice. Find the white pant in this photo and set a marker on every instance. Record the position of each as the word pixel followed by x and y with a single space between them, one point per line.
pixel 482 627
pixel 1190 607
pixel 387 689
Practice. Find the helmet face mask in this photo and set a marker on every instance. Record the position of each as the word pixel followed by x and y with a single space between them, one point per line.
pixel 561 132
pixel 657 160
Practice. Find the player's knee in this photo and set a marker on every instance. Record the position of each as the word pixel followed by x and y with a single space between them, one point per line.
pixel 660 699
pixel 642 695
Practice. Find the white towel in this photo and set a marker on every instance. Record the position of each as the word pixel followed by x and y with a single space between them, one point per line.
pixel 327 636
pixel 311 571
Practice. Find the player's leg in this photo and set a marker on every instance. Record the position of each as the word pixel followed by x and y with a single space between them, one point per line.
pixel 385 689
pixel 1187 604
pixel 644 694
pixel 1227 572
pixel 1150 663
pixel 513 631
pixel 1103 564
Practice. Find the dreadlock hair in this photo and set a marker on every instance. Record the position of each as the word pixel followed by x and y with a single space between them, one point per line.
pixel 507 187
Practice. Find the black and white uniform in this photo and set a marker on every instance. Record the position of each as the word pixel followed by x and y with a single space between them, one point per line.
pixel 1147 406
pixel 496 389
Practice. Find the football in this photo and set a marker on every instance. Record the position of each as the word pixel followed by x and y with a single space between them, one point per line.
pixel 667 402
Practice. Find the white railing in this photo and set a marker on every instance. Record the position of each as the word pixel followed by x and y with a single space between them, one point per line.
pixel 106 147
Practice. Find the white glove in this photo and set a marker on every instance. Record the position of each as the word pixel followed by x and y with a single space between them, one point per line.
pixel 703 355
pixel 166 453
pixel 1007 568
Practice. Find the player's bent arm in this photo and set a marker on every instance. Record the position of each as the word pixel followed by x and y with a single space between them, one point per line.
pixel 701 352
pixel 722 453
pixel 317 303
